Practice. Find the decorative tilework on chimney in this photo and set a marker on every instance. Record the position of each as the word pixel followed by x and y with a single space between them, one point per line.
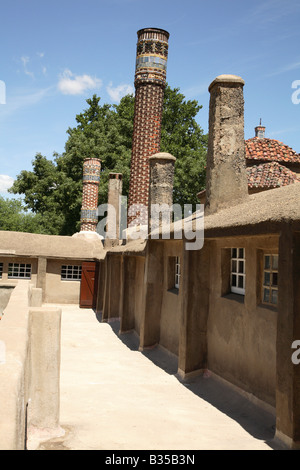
pixel 150 81
pixel 91 180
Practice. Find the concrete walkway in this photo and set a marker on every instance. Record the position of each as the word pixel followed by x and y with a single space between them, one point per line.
pixel 114 397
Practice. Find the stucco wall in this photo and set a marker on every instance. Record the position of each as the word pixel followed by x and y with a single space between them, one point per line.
pixel 133 293
pixel 5 293
pixel 16 259
pixel 241 332
pixel 139 291
pixel 100 288
pixel 171 301
pixel 29 357
pixel 56 290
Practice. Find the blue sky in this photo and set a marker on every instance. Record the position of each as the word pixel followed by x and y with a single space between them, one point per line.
pixel 56 54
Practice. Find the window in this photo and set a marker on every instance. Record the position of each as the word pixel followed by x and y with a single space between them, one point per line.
pixel 1 270
pixel 19 271
pixel 173 275
pixel 70 273
pixel 177 272
pixel 238 273
pixel 270 280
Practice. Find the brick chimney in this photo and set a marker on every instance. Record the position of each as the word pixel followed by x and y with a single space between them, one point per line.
pixel 91 180
pixel 150 81
pixel 226 175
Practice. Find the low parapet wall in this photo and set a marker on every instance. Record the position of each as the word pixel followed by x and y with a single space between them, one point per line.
pixel 29 358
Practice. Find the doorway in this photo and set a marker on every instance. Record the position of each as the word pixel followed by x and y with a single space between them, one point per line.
pixel 89 284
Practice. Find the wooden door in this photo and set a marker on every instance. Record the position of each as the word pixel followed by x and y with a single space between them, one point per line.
pixel 89 284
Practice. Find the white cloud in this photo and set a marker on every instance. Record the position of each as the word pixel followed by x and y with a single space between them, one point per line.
pixel 70 84
pixel 5 183
pixel 116 93
pixel 25 60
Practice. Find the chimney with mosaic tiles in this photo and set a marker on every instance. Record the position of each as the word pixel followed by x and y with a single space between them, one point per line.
pixel 91 180
pixel 150 82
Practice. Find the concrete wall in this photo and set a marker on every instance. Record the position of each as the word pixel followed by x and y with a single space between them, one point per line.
pixel 46 274
pixel 5 293
pixel 171 300
pixel 101 287
pixel 195 285
pixel 241 333
pixel 29 356
pixel 139 289
pixel 56 290
pixel 112 287
pixel 133 293
pixel 16 259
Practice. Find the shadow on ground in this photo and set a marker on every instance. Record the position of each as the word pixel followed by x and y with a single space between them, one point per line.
pixel 257 421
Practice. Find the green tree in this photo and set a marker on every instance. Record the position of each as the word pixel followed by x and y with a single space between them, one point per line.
pixel 53 188
pixel 182 136
pixel 13 217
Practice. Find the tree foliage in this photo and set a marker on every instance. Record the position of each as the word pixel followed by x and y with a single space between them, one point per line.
pixel 53 189
pixel 13 217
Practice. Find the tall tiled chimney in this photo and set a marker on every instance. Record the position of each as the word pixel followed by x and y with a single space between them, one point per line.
pixel 150 81
pixel 260 131
pixel 91 180
pixel 226 175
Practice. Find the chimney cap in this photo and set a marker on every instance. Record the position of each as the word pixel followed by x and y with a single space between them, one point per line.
pixel 227 79
pixel 162 156
pixel 153 30
pixel 113 175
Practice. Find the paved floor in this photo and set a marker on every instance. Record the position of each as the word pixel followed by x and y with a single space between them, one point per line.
pixel 114 397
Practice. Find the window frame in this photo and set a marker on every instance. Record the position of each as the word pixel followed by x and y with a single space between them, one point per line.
pixel 271 270
pixel 177 275
pixel 14 270
pixel 234 287
pixel 69 271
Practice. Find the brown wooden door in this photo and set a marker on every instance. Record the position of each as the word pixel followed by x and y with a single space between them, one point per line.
pixel 89 284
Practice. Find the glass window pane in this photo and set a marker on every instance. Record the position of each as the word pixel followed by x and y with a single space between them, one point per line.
pixel 241 252
pixel 266 295
pixel 274 296
pixel 234 253
pixel 241 282
pixel 275 262
pixel 266 278
pixel 267 262
pixel 241 266
pixel 274 279
pixel 233 280
pixel 234 266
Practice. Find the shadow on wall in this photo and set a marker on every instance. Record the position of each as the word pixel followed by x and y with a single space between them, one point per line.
pixel 257 421
pixel 5 293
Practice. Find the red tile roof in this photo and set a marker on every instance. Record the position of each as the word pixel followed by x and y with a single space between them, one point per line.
pixel 270 175
pixel 270 150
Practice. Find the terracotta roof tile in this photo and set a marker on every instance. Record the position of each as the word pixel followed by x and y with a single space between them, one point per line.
pixel 270 150
pixel 270 175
